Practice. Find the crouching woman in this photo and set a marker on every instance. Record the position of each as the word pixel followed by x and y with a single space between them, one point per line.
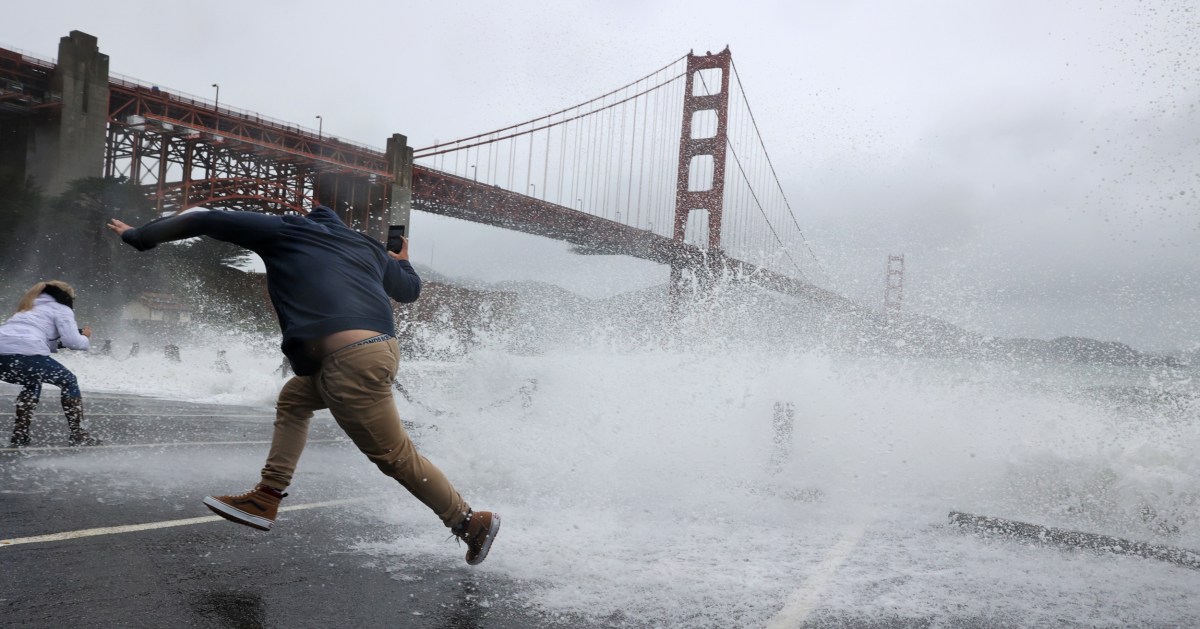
pixel 44 321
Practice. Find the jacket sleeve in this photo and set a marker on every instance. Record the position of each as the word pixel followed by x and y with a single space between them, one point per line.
pixel 251 230
pixel 401 282
pixel 68 330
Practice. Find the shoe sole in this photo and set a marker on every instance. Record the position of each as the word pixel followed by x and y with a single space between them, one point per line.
pixel 493 530
pixel 233 514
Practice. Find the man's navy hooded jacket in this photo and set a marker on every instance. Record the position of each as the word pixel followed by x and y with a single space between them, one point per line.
pixel 323 277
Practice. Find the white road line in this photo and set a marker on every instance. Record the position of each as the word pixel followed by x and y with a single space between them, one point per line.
pixel 168 444
pixel 169 415
pixel 804 600
pixel 132 528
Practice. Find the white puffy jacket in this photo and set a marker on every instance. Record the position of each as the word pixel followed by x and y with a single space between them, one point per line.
pixel 39 330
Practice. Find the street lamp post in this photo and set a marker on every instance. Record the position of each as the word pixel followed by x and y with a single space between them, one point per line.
pixel 473 173
pixel 217 105
pixel 534 186
pixel 320 127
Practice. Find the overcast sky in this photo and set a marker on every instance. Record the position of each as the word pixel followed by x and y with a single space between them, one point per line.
pixel 1037 162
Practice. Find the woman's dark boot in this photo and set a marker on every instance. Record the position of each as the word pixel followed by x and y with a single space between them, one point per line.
pixel 73 409
pixel 20 436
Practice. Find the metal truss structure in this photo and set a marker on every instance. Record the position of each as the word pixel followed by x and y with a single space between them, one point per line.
pixel 188 153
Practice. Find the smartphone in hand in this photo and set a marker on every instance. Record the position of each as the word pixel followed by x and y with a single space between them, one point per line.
pixel 395 241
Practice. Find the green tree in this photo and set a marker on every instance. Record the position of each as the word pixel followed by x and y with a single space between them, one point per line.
pixel 72 243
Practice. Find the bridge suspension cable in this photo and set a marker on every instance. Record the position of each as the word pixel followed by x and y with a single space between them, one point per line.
pixel 608 157
pixel 616 156
pixel 774 174
pixel 757 173
pixel 429 151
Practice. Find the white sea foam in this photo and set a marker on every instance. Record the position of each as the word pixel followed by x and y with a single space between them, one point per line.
pixel 198 376
pixel 644 487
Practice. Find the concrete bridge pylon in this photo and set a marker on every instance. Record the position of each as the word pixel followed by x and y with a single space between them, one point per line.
pixel 68 144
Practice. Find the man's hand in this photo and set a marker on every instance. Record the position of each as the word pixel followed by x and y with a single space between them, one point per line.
pixel 87 329
pixel 403 255
pixel 118 226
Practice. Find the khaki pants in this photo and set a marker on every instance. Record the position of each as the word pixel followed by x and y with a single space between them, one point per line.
pixel 355 384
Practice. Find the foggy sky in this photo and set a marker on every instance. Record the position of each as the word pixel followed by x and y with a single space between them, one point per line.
pixel 1038 163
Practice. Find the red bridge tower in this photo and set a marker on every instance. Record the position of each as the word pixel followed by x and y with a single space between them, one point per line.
pixel 706 96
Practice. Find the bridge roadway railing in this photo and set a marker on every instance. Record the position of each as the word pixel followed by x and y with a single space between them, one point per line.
pixel 25 80
pixel 207 115
pixel 25 74
pixel 246 115
pixel 442 193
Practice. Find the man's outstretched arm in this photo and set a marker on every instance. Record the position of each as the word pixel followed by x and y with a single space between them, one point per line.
pixel 245 229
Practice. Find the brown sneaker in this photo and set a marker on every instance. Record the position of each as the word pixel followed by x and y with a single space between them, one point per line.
pixel 256 508
pixel 478 531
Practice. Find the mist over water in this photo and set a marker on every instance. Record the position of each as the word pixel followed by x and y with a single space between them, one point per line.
pixel 642 480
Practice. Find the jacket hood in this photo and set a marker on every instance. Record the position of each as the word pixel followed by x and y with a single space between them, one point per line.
pixel 325 216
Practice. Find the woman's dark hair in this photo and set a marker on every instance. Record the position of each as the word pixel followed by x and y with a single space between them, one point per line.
pixel 59 295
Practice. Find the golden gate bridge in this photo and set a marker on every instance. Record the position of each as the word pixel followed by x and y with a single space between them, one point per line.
pixel 671 167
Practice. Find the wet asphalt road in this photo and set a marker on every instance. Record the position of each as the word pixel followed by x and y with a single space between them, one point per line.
pixel 304 573
pixel 162 457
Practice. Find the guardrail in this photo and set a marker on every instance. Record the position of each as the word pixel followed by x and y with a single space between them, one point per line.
pixel 133 83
